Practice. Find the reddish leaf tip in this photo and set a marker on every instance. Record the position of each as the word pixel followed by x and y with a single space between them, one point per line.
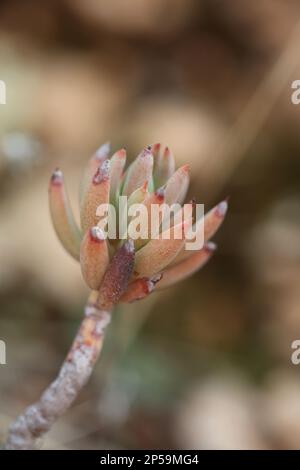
pixel 122 153
pixel 161 193
pixel 97 234
pixel 102 173
pixel 155 279
pixel 145 186
pixel 57 177
pixel 222 208
pixel 149 284
pixel 146 285
pixel 186 168
pixel 210 247
pixel 192 202
pixel 167 152
pixel 103 151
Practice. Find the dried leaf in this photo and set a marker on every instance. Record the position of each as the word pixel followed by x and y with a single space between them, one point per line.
pixel 116 278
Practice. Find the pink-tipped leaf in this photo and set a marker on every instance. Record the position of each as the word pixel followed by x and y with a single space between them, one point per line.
pixel 209 224
pixel 96 194
pixel 140 288
pixel 93 164
pixel 117 164
pixel 158 253
pixel 94 257
pixel 164 167
pixel 189 266
pixel 177 185
pixel 138 172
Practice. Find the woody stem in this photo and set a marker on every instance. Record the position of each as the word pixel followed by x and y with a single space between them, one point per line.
pixel 28 429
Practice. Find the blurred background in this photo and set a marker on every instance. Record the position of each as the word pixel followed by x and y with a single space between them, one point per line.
pixel 205 364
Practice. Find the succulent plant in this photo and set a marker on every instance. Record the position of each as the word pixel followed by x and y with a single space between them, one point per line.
pixel 127 270
pixel 115 269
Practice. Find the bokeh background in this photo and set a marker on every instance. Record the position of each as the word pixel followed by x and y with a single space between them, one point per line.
pixel 205 364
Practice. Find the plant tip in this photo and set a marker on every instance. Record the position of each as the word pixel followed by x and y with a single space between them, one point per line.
pixel 57 176
pixel 155 279
pixel 129 245
pixel 210 246
pixel 97 233
pixel 222 208
pixel 102 172
pixel 161 193
pixel 103 151
pixel 122 152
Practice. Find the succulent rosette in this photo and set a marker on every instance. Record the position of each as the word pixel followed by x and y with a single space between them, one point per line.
pixel 125 270
pixel 118 265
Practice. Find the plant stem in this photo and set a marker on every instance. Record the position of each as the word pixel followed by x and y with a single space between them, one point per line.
pixel 28 429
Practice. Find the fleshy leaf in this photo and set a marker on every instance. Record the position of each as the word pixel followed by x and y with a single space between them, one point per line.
pixel 96 194
pixel 156 152
pixel 62 216
pixel 177 185
pixel 164 168
pixel 189 266
pixel 213 219
pixel 117 164
pixel 185 212
pixel 138 172
pixel 94 257
pixel 140 288
pixel 116 278
pixel 156 198
pixel 137 197
pixel 158 253
pixel 95 161
pixel 212 222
